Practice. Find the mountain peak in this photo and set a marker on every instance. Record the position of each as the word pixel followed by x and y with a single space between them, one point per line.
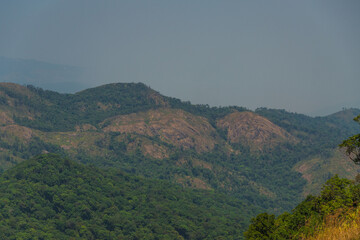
pixel 346 115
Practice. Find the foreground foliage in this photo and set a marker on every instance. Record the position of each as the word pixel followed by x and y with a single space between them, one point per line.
pixel 49 197
pixel 343 228
pixel 339 196
pixel 352 145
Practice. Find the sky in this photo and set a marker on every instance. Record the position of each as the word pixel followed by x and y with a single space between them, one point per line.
pixel 301 56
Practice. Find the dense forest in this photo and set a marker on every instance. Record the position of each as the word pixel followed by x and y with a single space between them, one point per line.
pixel 49 197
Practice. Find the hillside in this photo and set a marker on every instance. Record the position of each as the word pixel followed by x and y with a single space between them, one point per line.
pixel 49 197
pixel 333 214
pixel 253 130
pixel 318 168
pixel 173 126
pixel 263 158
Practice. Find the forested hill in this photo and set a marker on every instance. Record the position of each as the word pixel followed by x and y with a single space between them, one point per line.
pixel 269 159
pixel 49 197
pixel 52 111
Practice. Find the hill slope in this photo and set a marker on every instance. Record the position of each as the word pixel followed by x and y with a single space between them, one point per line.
pixel 49 197
pixel 253 130
pixel 253 156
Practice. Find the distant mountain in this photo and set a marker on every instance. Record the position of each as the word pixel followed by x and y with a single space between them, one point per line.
pixel 267 158
pixel 56 77
pixel 49 197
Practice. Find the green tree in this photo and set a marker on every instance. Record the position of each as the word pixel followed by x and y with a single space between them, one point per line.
pixel 262 227
pixel 352 145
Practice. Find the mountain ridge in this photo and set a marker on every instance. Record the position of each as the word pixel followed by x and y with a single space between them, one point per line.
pixel 134 128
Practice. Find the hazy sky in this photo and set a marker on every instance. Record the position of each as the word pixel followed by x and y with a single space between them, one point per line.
pixel 302 56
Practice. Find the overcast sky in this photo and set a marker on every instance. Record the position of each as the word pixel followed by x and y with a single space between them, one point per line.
pixel 301 56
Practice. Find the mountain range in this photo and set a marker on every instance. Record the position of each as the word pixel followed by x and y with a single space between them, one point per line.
pixel 267 159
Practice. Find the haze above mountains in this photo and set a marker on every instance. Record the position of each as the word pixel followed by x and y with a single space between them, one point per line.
pixel 298 56
pixel 61 78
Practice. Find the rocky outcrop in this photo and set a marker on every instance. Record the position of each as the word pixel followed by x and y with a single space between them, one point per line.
pixel 173 126
pixel 253 130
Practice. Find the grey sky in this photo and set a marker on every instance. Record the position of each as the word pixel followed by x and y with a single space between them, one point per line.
pixel 302 56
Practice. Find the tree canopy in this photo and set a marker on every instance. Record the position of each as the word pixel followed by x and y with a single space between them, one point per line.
pixel 50 197
pixel 352 145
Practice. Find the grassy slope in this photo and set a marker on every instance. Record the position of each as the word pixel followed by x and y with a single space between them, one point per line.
pixel 317 169
pixel 343 228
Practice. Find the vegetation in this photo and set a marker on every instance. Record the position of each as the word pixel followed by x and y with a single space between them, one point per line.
pixel 338 198
pixel 319 132
pixel 352 145
pixel 83 127
pixel 331 215
pixel 62 112
pixel 92 106
pixel 49 197
pixel 211 113
pixel 344 228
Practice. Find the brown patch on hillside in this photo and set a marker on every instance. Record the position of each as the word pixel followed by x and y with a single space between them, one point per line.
pixel 173 126
pixel 252 129
pixel 84 128
pixel 263 190
pixel 105 106
pixel 230 150
pixel 147 147
pixel 92 143
pixel 181 161
pixel 16 88
pixel 12 106
pixel 318 169
pixel 65 147
pixel 155 151
pixel 194 163
pixel 202 164
pixel 23 133
pixel 305 169
pixel 102 106
pixel 193 182
pixel 5 119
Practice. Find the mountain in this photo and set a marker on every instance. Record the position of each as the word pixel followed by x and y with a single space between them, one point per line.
pixel 49 197
pixel 268 158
